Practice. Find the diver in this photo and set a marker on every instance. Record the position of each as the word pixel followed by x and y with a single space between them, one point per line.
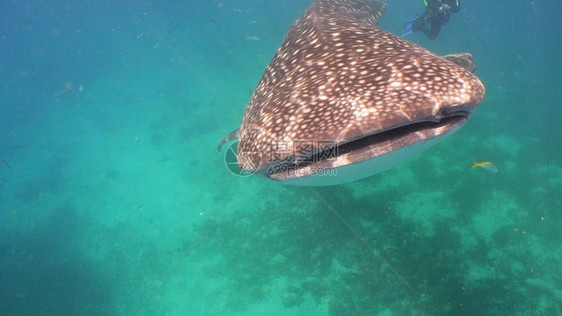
pixel 437 13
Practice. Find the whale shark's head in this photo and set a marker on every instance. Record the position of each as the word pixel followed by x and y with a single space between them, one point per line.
pixel 342 99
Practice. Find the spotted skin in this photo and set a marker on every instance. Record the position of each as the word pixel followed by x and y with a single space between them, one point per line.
pixel 338 77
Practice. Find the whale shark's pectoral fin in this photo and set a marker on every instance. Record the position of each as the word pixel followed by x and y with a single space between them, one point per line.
pixel 228 137
pixel 464 60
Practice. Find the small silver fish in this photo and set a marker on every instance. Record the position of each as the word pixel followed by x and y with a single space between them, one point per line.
pixel 252 38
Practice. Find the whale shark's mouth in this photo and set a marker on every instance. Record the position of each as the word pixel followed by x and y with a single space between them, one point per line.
pixel 370 146
pixel 439 126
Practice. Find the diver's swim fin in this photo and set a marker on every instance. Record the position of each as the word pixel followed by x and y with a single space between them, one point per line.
pixel 408 26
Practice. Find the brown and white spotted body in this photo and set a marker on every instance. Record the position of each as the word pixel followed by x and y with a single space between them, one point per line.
pixel 341 94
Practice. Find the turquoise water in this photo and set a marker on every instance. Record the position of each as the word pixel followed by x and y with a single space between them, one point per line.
pixel 114 200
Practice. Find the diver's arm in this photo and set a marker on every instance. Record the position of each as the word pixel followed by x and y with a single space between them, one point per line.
pixel 434 5
pixel 456 6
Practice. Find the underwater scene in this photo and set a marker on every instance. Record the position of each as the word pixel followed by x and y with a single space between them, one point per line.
pixel 114 199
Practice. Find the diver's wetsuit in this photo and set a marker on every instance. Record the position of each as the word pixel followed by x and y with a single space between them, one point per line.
pixel 437 14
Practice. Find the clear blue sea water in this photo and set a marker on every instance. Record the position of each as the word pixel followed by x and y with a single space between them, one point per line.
pixel 114 200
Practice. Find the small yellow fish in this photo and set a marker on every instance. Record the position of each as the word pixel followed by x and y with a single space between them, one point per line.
pixel 488 165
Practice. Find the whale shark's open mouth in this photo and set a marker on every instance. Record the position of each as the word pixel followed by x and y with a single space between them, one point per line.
pixel 439 127
pixel 368 147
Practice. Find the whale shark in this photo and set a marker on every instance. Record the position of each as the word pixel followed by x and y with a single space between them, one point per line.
pixel 342 99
